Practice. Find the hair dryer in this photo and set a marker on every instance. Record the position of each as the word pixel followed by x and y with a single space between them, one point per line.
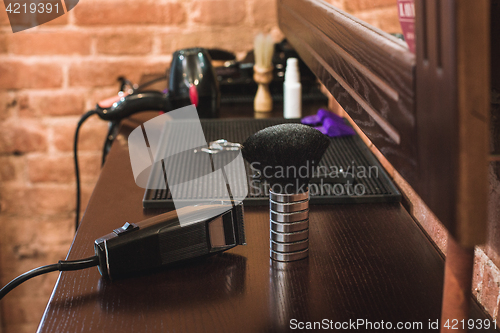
pixel 192 81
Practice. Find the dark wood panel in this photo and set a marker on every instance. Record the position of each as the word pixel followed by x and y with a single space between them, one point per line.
pixel 493 248
pixel 434 129
pixel 369 72
pixel 437 119
pixel 453 105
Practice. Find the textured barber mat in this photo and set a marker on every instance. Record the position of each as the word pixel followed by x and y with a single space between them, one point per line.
pixel 347 173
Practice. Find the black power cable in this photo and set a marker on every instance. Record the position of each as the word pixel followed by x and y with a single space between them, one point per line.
pixel 148 83
pixel 62 265
pixel 75 156
pixel 108 141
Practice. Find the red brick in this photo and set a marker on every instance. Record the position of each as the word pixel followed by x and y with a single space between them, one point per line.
pixel 62 137
pixel 61 169
pixel 124 43
pixel 3 44
pixel 29 242
pixel 11 168
pixel 23 106
pixel 19 257
pixel 22 137
pixel 47 199
pixel 61 20
pixel 95 73
pixel 128 12
pixel 357 5
pixel 477 276
pixel 39 288
pixel 53 104
pixel 60 104
pixel 219 12
pixel 385 18
pixel 26 240
pixel 8 103
pixel 388 20
pixel 12 201
pixel 90 167
pixel 47 43
pixel 264 12
pixel 17 235
pixel 52 200
pixel 57 169
pixel 338 3
pixel 368 16
pixel 17 75
pixel 220 37
pixel 490 287
pixel 24 247
pixel 4 19
pixel 21 328
pixel 23 100
pixel 91 136
pixel 7 169
pixel 22 311
pixel 56 231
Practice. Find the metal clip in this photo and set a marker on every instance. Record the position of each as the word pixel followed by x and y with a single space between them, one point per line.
pixel 215 147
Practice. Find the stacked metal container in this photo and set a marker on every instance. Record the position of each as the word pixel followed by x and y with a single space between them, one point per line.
pixel 289 235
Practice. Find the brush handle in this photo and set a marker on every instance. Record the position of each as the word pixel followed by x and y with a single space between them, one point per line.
pixel 289 222
pixel 263 101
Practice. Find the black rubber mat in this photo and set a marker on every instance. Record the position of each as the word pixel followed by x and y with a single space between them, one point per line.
pixel 347 173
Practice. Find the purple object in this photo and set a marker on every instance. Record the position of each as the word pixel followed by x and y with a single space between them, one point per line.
pixel 330 124
pixel 334 128
pixel 318 118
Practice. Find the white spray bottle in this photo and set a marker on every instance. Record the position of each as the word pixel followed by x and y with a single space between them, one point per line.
pixel 292 90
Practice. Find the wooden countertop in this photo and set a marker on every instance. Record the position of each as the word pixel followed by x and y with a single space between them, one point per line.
pixel 367 261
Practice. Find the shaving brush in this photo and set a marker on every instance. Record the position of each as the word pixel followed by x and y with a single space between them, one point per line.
pixel 285 155
pixel 263 72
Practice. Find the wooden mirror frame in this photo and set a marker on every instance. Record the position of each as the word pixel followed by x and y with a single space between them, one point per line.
pixel 427 113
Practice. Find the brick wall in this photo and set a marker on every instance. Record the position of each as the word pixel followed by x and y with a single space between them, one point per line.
pixel 51 74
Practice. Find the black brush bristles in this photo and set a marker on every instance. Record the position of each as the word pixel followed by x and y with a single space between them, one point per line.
pixel 285 155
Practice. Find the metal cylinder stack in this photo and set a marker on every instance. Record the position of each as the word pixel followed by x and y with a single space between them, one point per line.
pixel 289 219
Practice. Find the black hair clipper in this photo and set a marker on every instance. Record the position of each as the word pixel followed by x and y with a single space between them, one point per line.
pixel 178 235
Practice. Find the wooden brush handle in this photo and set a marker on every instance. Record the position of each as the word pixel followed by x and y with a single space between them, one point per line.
pixel 263 101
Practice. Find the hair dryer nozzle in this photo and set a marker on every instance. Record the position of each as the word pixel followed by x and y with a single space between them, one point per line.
pixel 128 105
